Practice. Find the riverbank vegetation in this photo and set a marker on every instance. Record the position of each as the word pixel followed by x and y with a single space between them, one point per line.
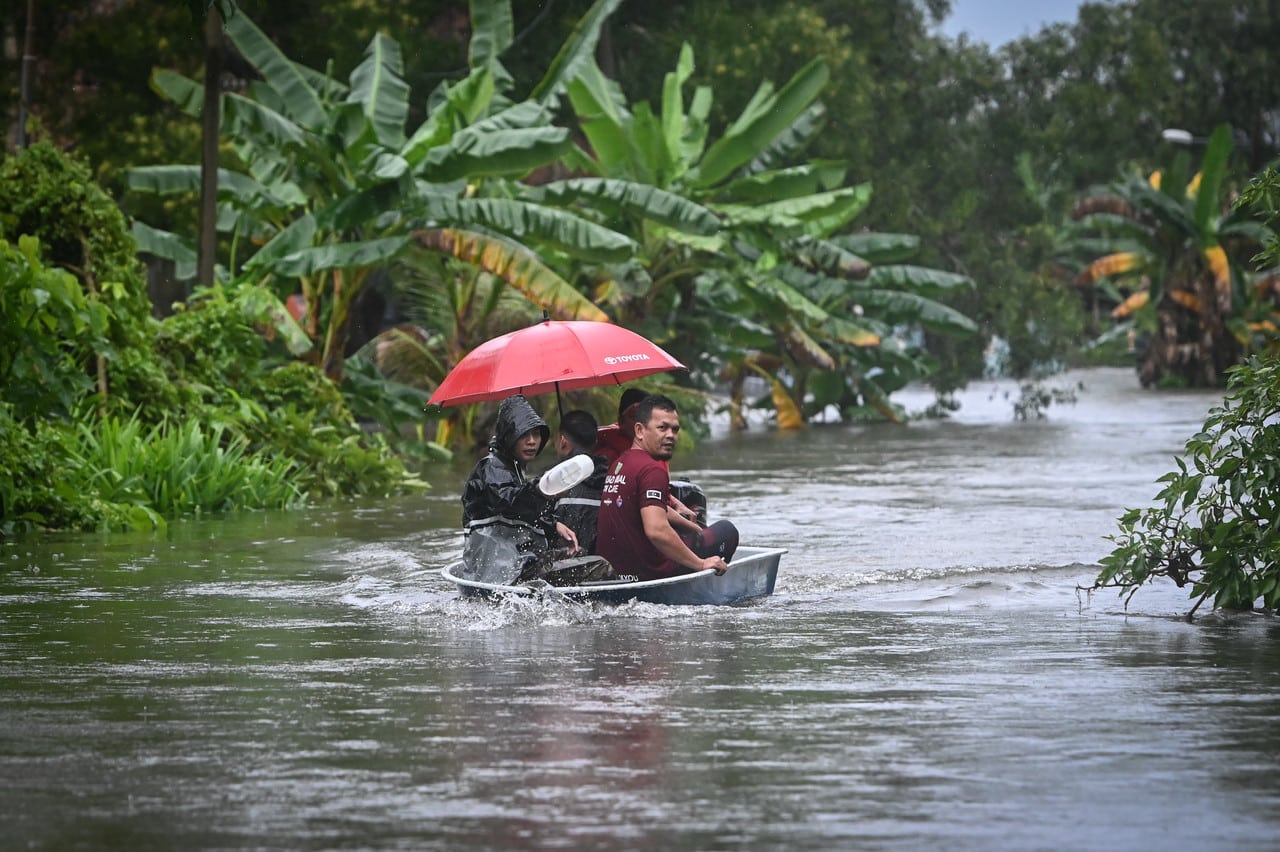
pixel 824 200
pixel 1215 528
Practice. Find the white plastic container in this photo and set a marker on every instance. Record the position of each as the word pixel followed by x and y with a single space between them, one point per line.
pixel 570 472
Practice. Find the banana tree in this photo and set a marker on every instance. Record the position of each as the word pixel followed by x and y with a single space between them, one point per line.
pixel 332 185
pixel 740 265
pixel 1172 256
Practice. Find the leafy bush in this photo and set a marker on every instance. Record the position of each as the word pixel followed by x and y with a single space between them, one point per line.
pixel 48 331
pixel 1218 526
pixel 50 195
pixel 179 469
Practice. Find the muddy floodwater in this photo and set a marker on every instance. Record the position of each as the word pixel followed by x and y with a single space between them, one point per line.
pixel 927 675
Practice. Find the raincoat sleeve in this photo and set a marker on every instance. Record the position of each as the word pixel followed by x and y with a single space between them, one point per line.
pixel 495 489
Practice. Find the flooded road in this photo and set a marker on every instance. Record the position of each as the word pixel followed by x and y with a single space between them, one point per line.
pixel 926 676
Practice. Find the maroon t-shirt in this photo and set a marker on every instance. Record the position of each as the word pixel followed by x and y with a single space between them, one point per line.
pixel 632 482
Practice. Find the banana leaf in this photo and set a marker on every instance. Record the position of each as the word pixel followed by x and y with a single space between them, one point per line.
pixel 639 199
pixel 247 118
pixel 175 180
pixel 301 100
pixel 879 248
pixel 185 93
pixel 912 307
pixel 572 234
pixel 916 277
pixel 1164 207
pixel 761 123
pixel 169 246
pixel 1212 169
pixel 791 141
pixel 828 257
pixel 298 235
pixel 378 85
pixel 514 264
pixel 577 52
pixel 354 255
pixel 492 31
pixel 465 99
pixel 673 122
pixel 603 117
pixel 501 153
pixel 811 178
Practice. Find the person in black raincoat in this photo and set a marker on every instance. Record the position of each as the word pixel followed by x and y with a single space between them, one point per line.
pixel 509 530
pixel 579 507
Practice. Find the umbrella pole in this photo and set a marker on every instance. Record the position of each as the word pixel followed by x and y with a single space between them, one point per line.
pixel 559 405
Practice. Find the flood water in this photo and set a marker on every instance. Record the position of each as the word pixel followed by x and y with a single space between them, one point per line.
pixel 927 675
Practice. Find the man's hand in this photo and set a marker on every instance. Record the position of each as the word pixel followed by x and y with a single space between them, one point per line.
pixel 569 536
pixel 715 563
pixel 681 509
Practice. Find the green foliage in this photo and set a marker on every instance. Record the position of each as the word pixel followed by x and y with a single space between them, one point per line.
pixel 34 491
pixel 48 330
pixel 1263 196
pixel 1217 525
pixel 175 469
pixel 50 195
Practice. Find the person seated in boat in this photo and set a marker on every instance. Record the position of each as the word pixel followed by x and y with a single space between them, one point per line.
pixel 509 531
pixel 616 438
pixel 579 507
pixel 635 534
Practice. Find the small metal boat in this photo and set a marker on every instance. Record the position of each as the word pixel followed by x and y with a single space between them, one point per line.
pixel 751 575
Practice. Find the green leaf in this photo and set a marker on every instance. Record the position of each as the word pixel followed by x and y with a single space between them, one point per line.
pixel 808 179
pixel 576 53
pixel 516 265
pixel 645 200
pixel 186 93
pixel 169 246
pixel 492 32
pixel 917 276
pixel 301 101
pixel 791 141
pixel 912 307
pixel 353 255
pixel 473 154
pixel 377 84
pixel 673 126
pixel 174 180
pixel 263 125
pixel 761 123
pixel 603 117
pixel 879 248
pixel 298 235
pixel 522 220
pixel 1212 169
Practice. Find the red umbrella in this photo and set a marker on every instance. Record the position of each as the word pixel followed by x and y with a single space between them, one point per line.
pixel 552 355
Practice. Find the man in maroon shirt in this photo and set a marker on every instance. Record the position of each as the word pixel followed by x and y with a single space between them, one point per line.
pixel 634 532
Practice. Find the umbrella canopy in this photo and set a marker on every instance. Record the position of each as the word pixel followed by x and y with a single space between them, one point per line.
pixel 552 355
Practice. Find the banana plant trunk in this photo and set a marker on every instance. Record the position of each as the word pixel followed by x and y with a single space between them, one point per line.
pixel 210 120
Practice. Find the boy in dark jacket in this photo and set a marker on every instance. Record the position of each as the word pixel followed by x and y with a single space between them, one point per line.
pixel 579 507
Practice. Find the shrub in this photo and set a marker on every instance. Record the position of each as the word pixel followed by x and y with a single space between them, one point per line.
pixel 1217 528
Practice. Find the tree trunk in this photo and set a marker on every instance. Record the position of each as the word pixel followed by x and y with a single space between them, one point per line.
pixel 28 71
pixel 211 121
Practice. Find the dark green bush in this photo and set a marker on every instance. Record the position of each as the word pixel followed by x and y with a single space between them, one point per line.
pixel 1216 527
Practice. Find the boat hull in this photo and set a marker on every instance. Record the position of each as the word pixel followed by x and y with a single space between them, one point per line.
pixel 752 574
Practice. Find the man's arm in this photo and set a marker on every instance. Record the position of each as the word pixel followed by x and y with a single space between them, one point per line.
pixel 669 543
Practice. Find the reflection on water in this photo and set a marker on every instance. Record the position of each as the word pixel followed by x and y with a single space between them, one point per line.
pixel 927 675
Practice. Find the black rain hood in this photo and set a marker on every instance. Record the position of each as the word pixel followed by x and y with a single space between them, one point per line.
pixel 515 417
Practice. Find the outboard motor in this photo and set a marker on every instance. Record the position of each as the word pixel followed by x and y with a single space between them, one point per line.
pixel 691 495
